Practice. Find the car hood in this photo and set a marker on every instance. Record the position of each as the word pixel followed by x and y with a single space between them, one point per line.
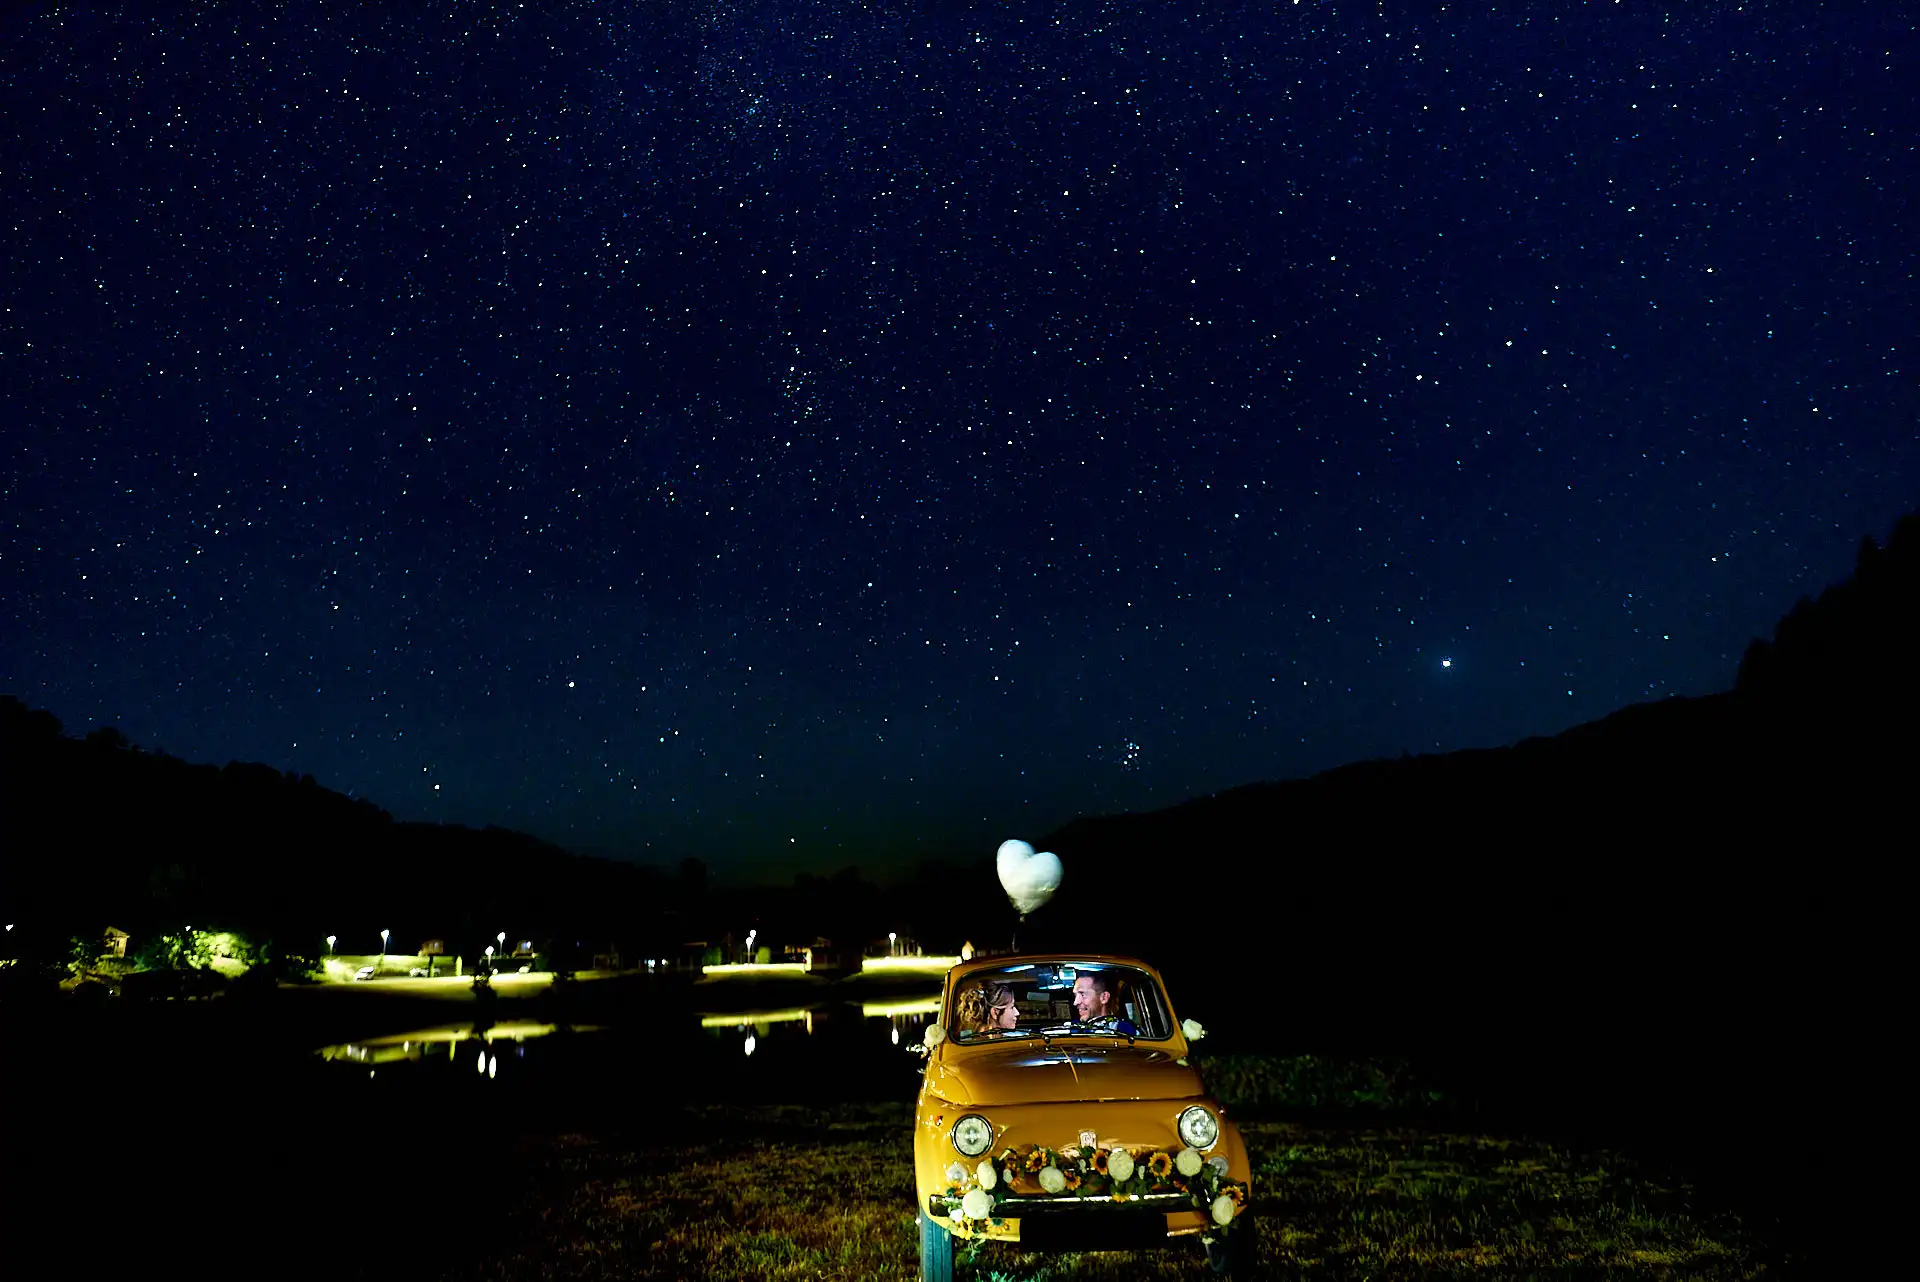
pixel 1083 1069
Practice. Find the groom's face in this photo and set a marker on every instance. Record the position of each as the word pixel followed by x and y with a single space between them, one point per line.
pixel 1088 1001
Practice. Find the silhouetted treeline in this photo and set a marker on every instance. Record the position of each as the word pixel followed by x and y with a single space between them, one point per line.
pixel 1730 834
pixel 1725 823
pixel 97 832
pixel 933 907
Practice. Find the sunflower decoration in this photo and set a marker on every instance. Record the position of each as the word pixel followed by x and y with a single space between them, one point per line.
pixel 1099 1161
pixel 1073 1178
pixel 1238 1192
pixel 1160 1165
pixel 1036 1161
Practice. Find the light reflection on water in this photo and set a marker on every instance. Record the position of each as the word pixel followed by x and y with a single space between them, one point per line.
pixel 900 1021
pixel 440 1041
pixel 891 1029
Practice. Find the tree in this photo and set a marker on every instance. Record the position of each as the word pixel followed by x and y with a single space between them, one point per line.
pixel 82 953
pixel 108 739
pixel 161 951
pixel 22 724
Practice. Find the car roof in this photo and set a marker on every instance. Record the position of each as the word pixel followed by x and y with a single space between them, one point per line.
pixel 1002 961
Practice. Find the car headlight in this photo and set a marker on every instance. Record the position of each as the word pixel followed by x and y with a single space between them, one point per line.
pixel 972 1135
pixel 1199 1128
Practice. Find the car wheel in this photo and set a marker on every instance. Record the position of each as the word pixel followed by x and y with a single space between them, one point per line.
pixel 1235 1256
pixel 936 1251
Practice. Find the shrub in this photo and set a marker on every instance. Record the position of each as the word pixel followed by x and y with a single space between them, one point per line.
pixel 1316 1083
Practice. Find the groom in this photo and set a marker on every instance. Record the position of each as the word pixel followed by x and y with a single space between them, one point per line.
pixel 1096 1002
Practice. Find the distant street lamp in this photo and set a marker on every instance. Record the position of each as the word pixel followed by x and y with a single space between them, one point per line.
pixel 383 950
pixel 891 936
pixel 330 939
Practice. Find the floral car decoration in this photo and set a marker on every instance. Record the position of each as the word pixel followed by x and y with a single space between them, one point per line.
pixel 1088 1171
pixel 1059 1109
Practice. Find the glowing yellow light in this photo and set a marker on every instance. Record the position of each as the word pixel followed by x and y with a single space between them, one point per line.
pixel 409 1045
pixel 756 968
pixel 909 965
pixel 757 1017
pixel 901 1006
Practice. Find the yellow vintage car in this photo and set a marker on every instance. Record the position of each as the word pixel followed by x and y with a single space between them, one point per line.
pixel 1058 1110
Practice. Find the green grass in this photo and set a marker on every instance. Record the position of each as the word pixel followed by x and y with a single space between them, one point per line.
pixel 827 1193
pixel 1307 1082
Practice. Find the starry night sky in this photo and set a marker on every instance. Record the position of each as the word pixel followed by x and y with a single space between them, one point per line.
pixel 794 434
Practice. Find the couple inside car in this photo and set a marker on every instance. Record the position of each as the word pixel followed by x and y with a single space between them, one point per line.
pixel 988 1006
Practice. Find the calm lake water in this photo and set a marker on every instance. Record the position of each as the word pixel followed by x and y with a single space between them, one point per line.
pixel 834 1049
pixel 322 1124
pixel 349 1134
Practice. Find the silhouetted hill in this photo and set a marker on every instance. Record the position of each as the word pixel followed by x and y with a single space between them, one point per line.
pixel 1654 830
pixel 1858 642
pixel 98 832
pixel 1663 827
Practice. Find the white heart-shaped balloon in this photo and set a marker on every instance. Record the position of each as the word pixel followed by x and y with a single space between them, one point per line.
pixel 1028 877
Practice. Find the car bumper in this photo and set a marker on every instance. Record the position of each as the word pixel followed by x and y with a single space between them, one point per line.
pixel 1077 1223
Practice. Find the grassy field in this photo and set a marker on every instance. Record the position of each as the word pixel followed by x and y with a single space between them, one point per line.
pixel 782 1192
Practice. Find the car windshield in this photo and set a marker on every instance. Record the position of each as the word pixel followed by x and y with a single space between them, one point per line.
pixel 1059 999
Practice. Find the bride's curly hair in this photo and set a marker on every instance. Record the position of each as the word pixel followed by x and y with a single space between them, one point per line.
pixel 973 1009
pixel 970 1008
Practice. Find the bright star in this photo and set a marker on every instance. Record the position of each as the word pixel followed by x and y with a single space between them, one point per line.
pixel 1446 663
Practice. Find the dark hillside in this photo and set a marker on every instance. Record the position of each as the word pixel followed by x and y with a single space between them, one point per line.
pixel 99 832
pixel 1779 792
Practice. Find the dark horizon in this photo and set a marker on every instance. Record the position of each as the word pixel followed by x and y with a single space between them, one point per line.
pixel 809 435
pixel 1833 671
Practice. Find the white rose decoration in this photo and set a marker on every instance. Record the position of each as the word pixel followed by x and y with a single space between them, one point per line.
pixel 978 1205
pixel 1191 1029
pixel 1218 1163
pixel 1222 1210
pixel 987 1176
pixel 1120 1165
pixel 1051 1179
pixel 933 1036
pixel 956 1173
pixel 1188 1162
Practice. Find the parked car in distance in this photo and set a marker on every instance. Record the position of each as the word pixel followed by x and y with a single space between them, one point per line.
pixel 417 970
pixel 1057 1110
pixel 365 972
